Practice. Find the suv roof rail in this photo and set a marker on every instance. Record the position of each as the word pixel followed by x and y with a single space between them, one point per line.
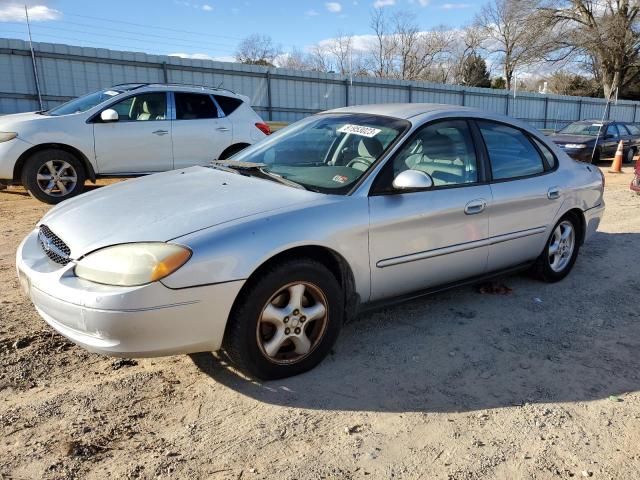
pixel 130 85
pixel 192 85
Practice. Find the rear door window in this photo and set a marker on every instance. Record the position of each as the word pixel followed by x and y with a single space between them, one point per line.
pixel 228 104
pixel 194 106
pixel 623 129
pixel 511 153
pixel 634 129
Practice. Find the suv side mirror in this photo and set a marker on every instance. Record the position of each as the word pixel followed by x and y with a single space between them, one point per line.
pixel 412 180
pixel 109 115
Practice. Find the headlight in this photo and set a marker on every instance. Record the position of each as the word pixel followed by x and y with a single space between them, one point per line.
pixel 575 145
pixel 132 264
pixel 6 136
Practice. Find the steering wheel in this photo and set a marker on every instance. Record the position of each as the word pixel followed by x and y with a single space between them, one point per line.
pixel 360 161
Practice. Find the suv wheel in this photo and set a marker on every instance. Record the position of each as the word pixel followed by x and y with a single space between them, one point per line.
pixel 286 321
pixel 53 175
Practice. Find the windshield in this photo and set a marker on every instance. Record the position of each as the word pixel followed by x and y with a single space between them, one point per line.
pixel 82 104
pixel 587 129
pixel 326 153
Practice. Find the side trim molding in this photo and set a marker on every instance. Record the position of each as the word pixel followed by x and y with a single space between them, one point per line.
pixel 460 247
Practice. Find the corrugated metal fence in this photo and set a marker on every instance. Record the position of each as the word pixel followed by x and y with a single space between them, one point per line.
pixel 66 71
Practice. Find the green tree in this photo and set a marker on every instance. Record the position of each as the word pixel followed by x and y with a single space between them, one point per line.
pixel 499 83
pixel 474 72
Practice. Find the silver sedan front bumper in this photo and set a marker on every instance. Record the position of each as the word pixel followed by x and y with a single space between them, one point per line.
pixel 144 321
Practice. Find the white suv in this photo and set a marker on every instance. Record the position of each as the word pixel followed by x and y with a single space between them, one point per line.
pixel 126 130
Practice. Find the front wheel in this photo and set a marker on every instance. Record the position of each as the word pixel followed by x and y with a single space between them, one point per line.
pixel 53 175
pixel 286 320
pixel 560 252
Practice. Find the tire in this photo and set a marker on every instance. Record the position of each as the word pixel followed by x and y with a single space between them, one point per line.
pixel 265 336
pixel 554 267
pixel 232 150
pixel 628 158
pixel 51 164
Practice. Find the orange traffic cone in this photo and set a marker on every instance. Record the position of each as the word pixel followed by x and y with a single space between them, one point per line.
pixel 616 166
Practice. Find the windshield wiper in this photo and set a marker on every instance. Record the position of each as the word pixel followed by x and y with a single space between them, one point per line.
pixel 250 168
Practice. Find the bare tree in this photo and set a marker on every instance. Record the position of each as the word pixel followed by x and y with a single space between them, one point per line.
pixel 605 32
pixel 513 33
pixel 257 49
pixel 341 49
pixel 295 60
pixel 380 57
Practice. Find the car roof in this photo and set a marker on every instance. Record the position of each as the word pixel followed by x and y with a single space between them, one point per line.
pixel 402 110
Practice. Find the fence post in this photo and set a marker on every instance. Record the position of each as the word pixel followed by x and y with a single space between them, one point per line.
pixel 346 92
pixel 410 89
pixel 546 110
pixel 635 110
pixel 579 109
pixel 269 104
pixel 464 95
pixel 506 107
pixel 165 72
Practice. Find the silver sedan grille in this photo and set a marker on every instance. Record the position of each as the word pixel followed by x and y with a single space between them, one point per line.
pixel 53 246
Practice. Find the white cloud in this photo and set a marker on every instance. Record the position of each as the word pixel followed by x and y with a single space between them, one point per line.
pixel 311 13
pixel 14 12
pixel 423 3
pixel 204 56
pixel 455 6
pixel 333 7
pixel 207 8
pixel 383 3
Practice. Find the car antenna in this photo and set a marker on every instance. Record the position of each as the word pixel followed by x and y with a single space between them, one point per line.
pixel 604 114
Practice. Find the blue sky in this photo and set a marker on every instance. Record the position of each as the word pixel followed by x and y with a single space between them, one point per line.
pixel 212 27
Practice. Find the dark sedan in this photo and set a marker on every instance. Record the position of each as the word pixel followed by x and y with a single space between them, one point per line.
pixel 592 140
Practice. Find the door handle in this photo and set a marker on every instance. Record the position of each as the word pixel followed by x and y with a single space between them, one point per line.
pixel 553 193
pixel 475 206
pixel 222 129
pixel 160 132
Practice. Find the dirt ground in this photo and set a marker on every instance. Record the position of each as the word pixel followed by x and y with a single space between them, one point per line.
pixel 543 382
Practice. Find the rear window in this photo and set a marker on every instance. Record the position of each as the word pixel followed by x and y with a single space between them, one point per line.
pixel 194 106
pixel 511 153
pixel 228 104
pixel 633 129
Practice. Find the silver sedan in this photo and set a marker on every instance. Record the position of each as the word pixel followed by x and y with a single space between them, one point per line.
pixel 267 254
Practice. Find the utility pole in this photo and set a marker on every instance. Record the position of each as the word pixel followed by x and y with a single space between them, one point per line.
pixel 33 59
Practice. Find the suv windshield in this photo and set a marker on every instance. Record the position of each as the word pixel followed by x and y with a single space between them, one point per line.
pixel 326 153
pixel 585 128
pixel 82 104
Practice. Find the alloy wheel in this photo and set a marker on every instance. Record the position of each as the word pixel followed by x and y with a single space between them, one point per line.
pixel 57 178
pixel 561 246
pixel 292 323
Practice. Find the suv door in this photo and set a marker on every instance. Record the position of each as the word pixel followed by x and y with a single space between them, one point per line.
pixel 139 141
pixel 421 239
pixel 201 132
pixel 526 194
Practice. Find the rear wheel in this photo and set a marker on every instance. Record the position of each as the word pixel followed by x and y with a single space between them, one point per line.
pixel 560 252
pixel 53 175
pixel 628 158
pixel 286 320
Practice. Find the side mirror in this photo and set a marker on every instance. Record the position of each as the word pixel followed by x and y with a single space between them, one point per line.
pixel 412 180
pixel 109 115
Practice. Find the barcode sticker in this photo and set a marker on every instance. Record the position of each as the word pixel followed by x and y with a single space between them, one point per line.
pixel 359 130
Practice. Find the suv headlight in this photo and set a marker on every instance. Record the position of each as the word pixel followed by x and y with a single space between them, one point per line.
pixel 6 136
pixel 132 264
pixel 576 145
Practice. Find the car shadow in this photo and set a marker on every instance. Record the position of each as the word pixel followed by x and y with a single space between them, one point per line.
pixel 462 350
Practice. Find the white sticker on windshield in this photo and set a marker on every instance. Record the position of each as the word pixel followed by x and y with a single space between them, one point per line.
pixel 111 93
pixel 359 130
pixel 596 125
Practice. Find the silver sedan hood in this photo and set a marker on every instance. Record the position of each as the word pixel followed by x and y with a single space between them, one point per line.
pixel 165 206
